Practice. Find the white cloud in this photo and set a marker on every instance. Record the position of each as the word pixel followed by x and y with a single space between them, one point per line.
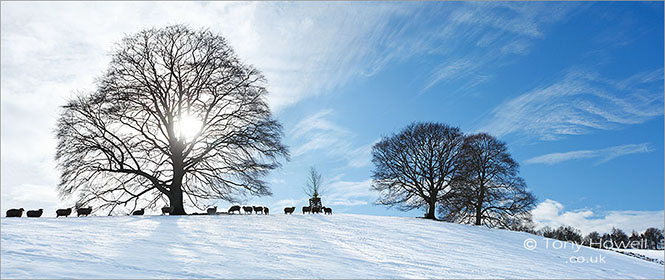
pixel 452 70
pixel 578 104
pixel 516 47
pixel 551 213
pixel 316 121
pixel 350 193
pixel 318 132
pixel 498 30
pixel 603 155
pixel 617 151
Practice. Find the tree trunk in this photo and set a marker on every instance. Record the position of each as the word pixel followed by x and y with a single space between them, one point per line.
pixel 430 213
pixel 176 200
pixel 479 206
pixel 478 216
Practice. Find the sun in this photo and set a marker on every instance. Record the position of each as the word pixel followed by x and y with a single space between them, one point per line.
pixel 188 127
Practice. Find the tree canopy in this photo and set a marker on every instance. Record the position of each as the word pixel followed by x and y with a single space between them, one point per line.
pixel 176 117
pixel 415 167
pixel 469 178
pixel 488 189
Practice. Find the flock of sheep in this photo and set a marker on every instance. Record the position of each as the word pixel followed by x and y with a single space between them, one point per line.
pixel 38 213
pixel 169 209
pixel 308 209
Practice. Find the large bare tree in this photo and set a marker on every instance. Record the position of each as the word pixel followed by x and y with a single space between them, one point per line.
pixel 415 167
pixel 177 117
pixel 489 190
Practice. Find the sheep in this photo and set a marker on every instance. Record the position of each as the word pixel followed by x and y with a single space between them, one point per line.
pixel 306 209
pixel 212 211
pixel 316 210
pixel 266 211
pixel 138 212
pixel 234 208
pixel 83 211
pixel 35 213
pixel 247 209
pixel 63 212
pixel 167 210
pixel 15 213
pixel 289 210
pixel 327 210
pixel 258 209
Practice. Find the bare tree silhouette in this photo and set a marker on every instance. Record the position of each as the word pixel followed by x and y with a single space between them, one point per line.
pixel 415 167
pixel 489 190
pixel 313 186
pixel 178 117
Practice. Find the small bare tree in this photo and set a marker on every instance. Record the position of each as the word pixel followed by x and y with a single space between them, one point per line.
pixel 176 115
pixel 415 167
pixel 489 190
pixel 313 186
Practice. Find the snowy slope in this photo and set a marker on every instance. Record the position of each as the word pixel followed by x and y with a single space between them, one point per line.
pixel 654 254
pixel 312 246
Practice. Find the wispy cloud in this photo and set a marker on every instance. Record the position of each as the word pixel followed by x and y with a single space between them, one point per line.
pixel 448 71
pixel 498 30
pixel 316 122
pixel 516 47
pixel 579 103
pixel 551 213
pixel 603 155
pixel 336 192
pixel 318 132
pixel 350 193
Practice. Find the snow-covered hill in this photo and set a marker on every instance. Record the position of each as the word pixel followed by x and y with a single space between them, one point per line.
pixel 658 255
pixel 279 246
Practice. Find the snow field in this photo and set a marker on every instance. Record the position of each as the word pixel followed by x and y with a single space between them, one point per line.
pixel 297 246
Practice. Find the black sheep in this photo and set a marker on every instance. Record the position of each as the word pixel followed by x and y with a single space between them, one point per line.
pixel 83 211
pixel 234 209
pixel 327 210
pixel 247 209
pixel 258 209
pixel 289 210
pixel 63 212
pixel 266 211
pixel 167 210
pixel 35 213
pixel 316 210
pixel 306 209
pixel 212 211
pixel 15 212
pixel 138 212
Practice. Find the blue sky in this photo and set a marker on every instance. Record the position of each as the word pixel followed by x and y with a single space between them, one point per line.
pixel 588 85
pixel 575 89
